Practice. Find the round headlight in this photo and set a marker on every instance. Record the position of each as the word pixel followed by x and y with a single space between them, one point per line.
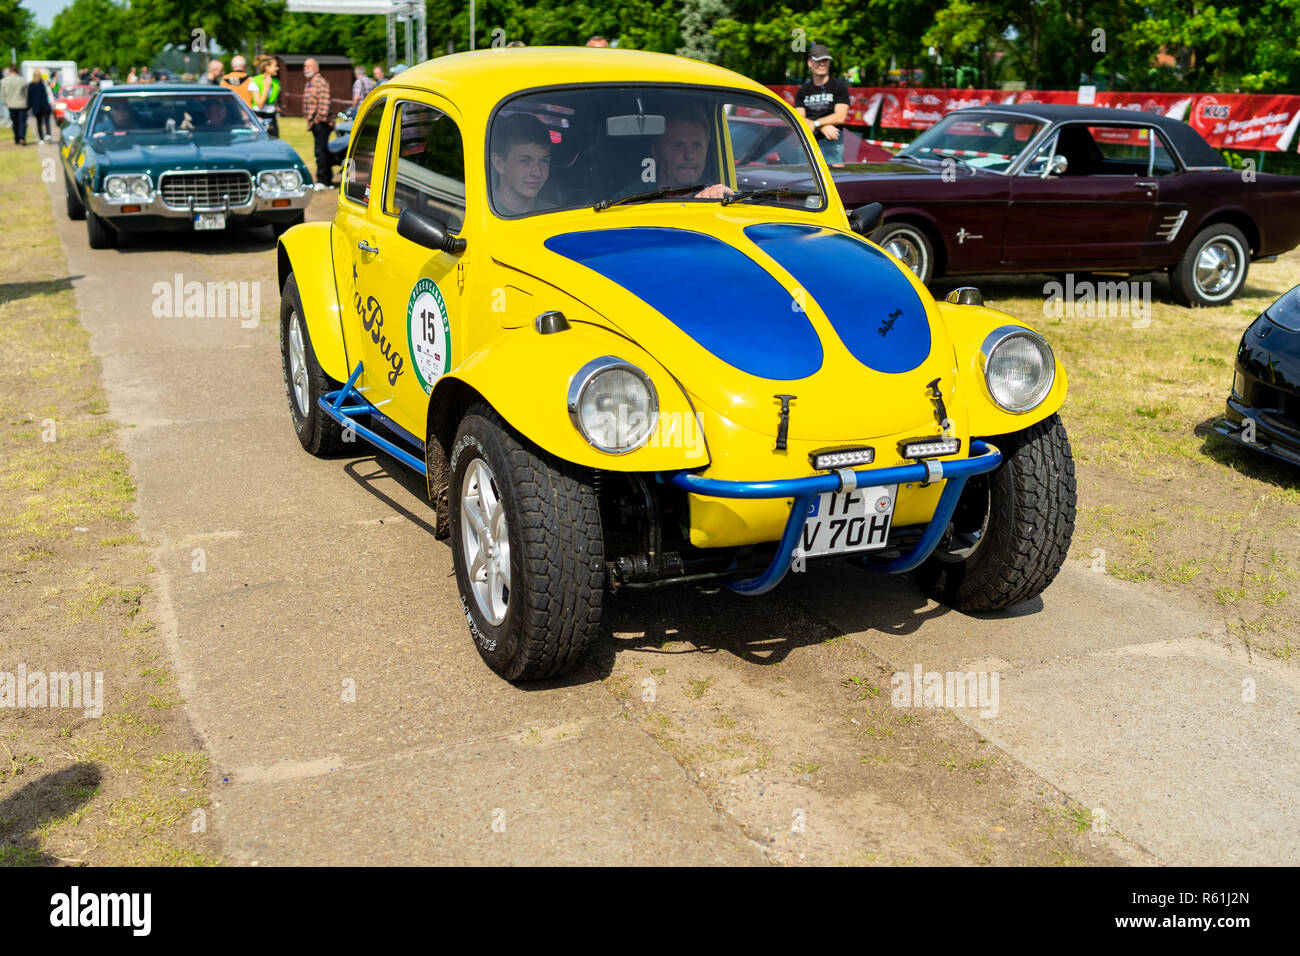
pixel 140 186
pixel 613 404
pixel 1018 368
pixel 290 181
pixel 116 187
pixel 268 182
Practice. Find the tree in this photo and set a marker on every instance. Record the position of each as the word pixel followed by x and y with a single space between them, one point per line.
pixel 16 24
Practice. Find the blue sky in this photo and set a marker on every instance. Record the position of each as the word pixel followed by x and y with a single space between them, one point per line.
pixel 45 9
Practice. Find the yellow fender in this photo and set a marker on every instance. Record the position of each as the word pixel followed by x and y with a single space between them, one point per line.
pixel 969 325
pixel 525 377
pixel 304 250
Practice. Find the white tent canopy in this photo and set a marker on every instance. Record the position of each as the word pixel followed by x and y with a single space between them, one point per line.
pixel 410 12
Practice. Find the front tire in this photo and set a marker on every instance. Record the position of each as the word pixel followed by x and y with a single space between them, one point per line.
pixel 527 547
pixel 304 380
pixel 99 233
pixel 1012 527
pixel 1213 268
pixel 909 244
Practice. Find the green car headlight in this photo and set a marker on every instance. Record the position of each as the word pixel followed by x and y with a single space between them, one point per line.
pixel 290 181
pixel 1019 368
pixel 140 186
pixel 613 404
pixel 115 186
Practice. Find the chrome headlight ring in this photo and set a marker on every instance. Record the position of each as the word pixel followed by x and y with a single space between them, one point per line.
pixel 279 182
pixel 607 424
pixel 1018 380
pixel 128 187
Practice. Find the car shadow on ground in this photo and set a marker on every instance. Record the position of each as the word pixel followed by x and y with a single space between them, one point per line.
pixel 1252 464
pixel 213 243
pixel 374 470
pixel 13 291
pixel 43 800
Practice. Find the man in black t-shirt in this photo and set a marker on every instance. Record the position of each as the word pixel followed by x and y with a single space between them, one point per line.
pixel 824 102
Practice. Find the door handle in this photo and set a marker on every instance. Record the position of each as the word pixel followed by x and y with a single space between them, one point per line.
pixel 1145 184
pixel 366 247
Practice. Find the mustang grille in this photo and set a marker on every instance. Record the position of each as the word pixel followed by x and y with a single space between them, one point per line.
pixel 1169 226
pixel 206 189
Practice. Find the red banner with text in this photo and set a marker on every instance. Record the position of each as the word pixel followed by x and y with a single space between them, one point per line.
pixel 1235 121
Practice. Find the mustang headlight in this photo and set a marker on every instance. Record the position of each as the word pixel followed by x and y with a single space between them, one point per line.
pixel 273 182
pixel 613 404
pixel 120 186
pixel 1019 368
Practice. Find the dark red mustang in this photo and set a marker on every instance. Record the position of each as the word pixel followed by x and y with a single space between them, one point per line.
pixel 1069 188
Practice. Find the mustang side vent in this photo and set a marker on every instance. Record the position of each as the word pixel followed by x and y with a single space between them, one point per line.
pixel 1170 225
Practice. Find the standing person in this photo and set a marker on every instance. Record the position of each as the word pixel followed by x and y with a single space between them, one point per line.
pixel 378 74
pixel 316 110
pixel 213 76
pixel 237 78
pixel 38 101
pixel 361 85
pixel 265 91
pixel 14 92
pixel 824 102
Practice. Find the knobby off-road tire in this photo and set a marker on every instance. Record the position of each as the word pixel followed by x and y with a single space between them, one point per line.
pixel 1028 526
pixel 553 569
pixel 76 211
pixel 1205 264
pixel 99 234
pixel 304 380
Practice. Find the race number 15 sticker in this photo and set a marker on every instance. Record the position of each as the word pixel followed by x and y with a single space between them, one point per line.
pixel 428 333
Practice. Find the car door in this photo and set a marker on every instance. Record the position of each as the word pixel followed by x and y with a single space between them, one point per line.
pixel 1098 212
pixel 420 290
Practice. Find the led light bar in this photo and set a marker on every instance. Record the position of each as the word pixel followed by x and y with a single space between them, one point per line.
pixel 842 457
pixel 930 447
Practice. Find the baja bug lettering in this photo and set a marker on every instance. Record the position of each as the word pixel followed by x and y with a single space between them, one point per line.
pixel 372 320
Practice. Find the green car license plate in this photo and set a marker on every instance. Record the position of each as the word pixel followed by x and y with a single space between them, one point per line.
pixel 209 220
pixel 840 522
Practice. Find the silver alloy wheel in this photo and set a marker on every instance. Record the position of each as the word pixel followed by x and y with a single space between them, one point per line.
pixel 1217 267
pixel 298 364
pixel 485 540
pixel 904 246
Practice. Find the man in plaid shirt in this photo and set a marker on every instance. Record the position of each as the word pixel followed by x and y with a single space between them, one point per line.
pixel 361 85
pixel 316 109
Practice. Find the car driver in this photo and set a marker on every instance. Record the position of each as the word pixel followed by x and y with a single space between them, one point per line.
pixel 521 159
pixel 680 154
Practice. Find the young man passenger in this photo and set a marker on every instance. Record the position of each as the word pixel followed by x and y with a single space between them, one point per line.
pixel 521 159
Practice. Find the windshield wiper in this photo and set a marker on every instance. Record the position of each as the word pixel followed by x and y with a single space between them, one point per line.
pixel 647 197
pixel 767 194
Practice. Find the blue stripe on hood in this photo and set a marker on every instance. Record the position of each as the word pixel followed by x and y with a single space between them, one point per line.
pixel 710 290
pixel 859 288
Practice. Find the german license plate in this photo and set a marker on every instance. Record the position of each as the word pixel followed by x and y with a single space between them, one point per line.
pixel 209 220
pixel 840 522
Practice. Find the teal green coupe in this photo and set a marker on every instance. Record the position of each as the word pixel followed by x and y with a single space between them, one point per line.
pixel 177 157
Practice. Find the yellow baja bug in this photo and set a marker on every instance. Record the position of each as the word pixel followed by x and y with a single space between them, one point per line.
pixel 628 346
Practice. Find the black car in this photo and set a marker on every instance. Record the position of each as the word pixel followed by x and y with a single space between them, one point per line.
pixel 1264 407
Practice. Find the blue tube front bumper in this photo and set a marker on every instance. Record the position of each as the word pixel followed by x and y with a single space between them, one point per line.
pixel 984 458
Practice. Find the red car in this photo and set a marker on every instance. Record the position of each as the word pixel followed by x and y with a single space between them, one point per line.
pixel 72 99
pixel 761 141
pixel 1038 188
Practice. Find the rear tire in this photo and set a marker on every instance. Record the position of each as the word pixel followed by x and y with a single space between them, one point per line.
pixel 76 211
pixel 1012 529
pixel 533 605
pixel 99 233
pixel 304 380
pixel 1213 268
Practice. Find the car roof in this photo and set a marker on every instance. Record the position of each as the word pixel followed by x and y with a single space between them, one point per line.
pixel 483 77
pixel 1193 149
pixel 146 89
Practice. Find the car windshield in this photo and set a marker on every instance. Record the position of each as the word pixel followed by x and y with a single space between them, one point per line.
pixel 614 145
pixel 991 141
pixel 172 113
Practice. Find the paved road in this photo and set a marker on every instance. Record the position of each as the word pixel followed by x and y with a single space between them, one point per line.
pixel 322 575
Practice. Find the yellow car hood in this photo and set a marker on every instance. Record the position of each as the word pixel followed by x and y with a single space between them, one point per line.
pixel 747 311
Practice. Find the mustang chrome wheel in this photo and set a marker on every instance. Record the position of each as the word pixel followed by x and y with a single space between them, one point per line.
pixel 486 541
pixel 298 364
pixel 904 248
pixel 1217 267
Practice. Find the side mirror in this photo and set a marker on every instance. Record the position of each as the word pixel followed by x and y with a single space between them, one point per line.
pixel 428 232
pixel 866 219
pixel 1056 167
